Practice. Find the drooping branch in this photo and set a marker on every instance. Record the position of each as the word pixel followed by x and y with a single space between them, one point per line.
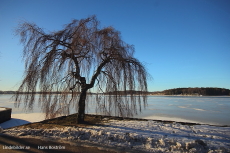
pixel 71 60
pixel 98 71
pixel 76 74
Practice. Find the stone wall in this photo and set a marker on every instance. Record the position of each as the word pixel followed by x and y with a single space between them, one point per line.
pixel 5 114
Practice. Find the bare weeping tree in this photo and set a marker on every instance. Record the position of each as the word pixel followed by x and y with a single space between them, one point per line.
pixel 63 65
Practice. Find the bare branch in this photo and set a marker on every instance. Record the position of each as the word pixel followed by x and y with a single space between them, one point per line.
pixel 69 61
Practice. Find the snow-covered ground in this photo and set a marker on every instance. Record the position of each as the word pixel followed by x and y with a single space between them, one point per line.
pixel 149 136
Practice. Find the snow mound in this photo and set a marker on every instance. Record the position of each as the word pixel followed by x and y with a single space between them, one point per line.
pixel 149 136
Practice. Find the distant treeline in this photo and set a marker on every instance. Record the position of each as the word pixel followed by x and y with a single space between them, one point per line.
pixel 107 93
pixel 128 92
pixel 7 92
pixel 198 91
pixel 175 91
pixel 54 92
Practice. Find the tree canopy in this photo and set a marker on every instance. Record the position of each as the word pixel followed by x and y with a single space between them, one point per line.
pixel 79 57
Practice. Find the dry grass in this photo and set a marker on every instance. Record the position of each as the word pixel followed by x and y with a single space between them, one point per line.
pixel 64 121
pixel 90 120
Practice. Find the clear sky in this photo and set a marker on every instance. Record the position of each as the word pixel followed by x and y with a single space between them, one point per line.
pixel 183 43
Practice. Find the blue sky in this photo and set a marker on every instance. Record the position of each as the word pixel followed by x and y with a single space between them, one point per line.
pixel 183 43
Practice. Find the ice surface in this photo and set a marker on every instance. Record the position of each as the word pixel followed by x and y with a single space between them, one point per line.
pixel 31 117
pixel 20 119
pixel 208 110
pixel 169 119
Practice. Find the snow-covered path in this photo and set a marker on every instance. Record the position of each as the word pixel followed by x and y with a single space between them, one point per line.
pixel 150 136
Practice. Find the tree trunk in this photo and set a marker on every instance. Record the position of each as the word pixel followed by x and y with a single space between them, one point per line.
pixel 81 107
pixel 81 103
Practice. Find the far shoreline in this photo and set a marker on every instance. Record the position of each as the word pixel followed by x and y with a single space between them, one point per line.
pixel 194 91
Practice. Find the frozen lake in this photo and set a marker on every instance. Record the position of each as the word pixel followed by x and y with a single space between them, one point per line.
pixel 206 109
